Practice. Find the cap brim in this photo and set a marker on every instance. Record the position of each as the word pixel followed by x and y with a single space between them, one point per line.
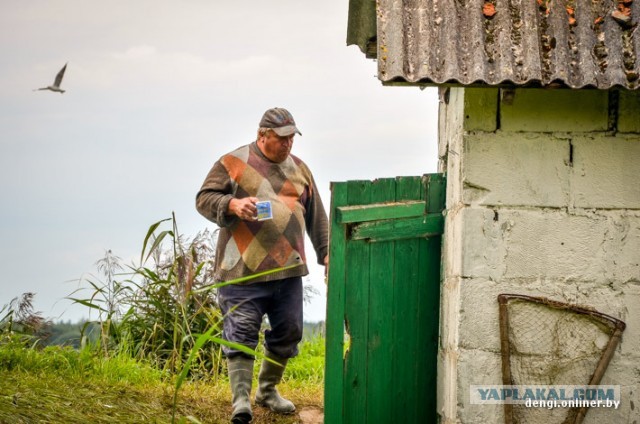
pixel 286 131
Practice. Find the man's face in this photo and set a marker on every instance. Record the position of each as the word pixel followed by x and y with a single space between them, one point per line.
pixel 274 147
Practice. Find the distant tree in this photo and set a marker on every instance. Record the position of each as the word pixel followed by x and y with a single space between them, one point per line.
pixel 70 334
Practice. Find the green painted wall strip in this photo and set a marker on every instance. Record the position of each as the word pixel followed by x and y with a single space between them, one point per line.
pixel 376 211
pixel 398 229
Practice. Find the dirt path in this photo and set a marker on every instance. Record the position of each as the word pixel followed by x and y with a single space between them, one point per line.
pixel 311 415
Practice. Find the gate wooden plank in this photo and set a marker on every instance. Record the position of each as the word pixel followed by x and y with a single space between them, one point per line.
pixel 398 229
pixel 334 364
pixel 380 409
pixel 429 299
pixel 436 185
pixel 356 301
pixel 406 310
pixel 380 210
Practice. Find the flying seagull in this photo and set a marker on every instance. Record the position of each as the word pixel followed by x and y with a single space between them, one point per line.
pixel 56 84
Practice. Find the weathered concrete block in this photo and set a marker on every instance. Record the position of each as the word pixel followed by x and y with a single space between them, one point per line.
pixel 443 384
pixel 480 109
pixel 620 372
pixel 553 244
pixel 450 143
pixel 516 170
pixel 479 310
pixel 479 320
pixel 539 110
pixel 628 111
pixel 449 313
pixel 447 377
pixel 482 247
pixel 605 172
pixel 623 415
pixel 622 247
pixel 450 118
pixel 510 243
pixel 452 244
pixel 477 367
pixel 549 244
pixel 629 311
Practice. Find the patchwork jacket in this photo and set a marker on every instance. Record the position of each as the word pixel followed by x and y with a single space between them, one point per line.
pixel 245 248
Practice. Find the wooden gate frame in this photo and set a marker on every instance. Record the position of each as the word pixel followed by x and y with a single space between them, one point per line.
pixel 416 211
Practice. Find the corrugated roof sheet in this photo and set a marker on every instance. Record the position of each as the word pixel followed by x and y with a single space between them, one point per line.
pixel 574 43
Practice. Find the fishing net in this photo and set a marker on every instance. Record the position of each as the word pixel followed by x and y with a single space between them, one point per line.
pixel 545 342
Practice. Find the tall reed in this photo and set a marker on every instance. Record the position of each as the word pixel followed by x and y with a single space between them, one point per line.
pixel 153 308
pixel 20 322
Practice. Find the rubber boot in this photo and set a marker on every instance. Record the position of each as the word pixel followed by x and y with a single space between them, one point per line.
pixel 267 395
pixel 240 377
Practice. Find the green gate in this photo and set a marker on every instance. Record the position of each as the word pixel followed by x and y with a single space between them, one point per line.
pixel 384 291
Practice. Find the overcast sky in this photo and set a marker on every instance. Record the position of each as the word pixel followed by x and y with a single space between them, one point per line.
pixel 156 92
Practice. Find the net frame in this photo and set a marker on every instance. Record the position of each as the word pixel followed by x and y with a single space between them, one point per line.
pixel 576 415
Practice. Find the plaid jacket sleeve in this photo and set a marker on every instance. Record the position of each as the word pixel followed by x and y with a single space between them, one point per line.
pixel 212 201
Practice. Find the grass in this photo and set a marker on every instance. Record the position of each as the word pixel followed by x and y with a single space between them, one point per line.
pixel 62 385
pixel 30 398
pixel 153 355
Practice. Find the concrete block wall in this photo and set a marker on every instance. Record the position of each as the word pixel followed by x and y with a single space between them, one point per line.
pixel 543 199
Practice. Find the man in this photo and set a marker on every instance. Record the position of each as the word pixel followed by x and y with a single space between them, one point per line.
pixel 269 251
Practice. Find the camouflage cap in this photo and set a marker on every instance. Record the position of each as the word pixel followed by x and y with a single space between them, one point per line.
pixel 280 121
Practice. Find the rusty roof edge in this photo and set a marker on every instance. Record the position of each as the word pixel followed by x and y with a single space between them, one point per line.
pixel 452 82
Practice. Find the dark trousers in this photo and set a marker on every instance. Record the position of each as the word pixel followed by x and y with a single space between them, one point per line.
pixel 244 306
